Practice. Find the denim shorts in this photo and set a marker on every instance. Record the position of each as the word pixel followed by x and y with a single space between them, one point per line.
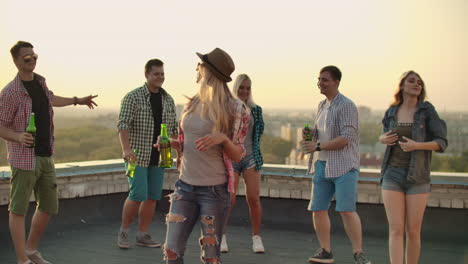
pixel 146 183
pixel 344 188
pixel 395 179
pixel 247 162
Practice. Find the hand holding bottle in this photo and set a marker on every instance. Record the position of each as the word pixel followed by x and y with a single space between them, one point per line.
pixel 129 155
pixel 132 163
pixel 308 146
pixel 25 139
pixel 175 144
pixel 164 147
pixel 307 133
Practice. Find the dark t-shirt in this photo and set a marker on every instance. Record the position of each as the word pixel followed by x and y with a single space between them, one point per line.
pixel 156 106
pixel 40 108
pixel 398 157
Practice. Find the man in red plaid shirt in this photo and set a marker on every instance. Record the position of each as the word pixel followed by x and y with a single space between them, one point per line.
pixel 32 168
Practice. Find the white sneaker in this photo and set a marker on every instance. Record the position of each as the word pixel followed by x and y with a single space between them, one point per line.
pixel 257 244
pixel 224 246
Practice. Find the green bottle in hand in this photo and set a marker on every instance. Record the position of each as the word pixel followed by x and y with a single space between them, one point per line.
pixel 31 129
pixel 131 166
pixel 307 133
pixel 165 159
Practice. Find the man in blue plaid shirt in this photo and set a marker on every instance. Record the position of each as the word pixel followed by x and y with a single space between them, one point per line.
pixel 142 112
pixel 336 147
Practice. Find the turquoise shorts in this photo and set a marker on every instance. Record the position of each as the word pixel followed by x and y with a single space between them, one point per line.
pixel 146 183
pixel 344 188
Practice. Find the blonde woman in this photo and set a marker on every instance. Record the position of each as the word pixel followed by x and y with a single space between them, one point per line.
pixel 412 131
pixel 250 165
pixel 211 134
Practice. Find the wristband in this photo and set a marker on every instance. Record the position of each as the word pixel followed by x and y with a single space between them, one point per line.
pixel 317 147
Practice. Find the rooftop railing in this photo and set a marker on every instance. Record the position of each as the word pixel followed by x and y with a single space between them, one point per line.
pixel 89 178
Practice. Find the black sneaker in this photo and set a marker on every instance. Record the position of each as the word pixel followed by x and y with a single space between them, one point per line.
pixel 322 256
pixel 360 258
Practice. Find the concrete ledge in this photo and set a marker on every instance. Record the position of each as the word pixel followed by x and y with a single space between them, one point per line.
pixel 90 178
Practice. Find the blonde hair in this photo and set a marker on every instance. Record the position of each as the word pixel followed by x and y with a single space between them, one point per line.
pixel 398 97
pixel 240 78
pixel 216 101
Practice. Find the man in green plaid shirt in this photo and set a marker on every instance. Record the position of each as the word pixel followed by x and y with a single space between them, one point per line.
pixel 142 112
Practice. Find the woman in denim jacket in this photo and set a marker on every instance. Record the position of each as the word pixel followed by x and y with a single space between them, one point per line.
pixel 412 130
pixel 250 165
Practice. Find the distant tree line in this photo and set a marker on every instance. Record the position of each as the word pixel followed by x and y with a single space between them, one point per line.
pixel 81 143
pixel 450 162
pixel 275 149
pixel 96 139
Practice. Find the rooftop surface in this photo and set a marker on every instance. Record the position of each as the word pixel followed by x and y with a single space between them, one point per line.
pixel 85 231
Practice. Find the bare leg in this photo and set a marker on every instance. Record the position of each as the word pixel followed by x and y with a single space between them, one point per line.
pixel 18 235
pixel 252 185
pixel 352 226
pixel 130 210
pixel 146 214
pixel 233 200
pixel 322 228
pixel 395 207
pixel 415 207
pixel 39 224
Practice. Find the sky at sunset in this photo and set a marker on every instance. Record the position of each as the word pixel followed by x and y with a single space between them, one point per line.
pixel 100 47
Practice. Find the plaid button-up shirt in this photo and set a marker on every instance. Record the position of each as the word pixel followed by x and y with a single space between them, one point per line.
pixel 257 133
pixel 15 110
pixel 136 116
pixel 342 120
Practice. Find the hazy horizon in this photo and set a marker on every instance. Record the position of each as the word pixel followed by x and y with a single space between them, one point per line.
pixel 100 47
pixel 106 110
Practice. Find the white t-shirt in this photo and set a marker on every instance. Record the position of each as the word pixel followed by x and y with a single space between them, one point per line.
pixel 322 129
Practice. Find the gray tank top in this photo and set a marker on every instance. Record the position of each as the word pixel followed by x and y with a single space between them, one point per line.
pixel 200 168
pixel 248 142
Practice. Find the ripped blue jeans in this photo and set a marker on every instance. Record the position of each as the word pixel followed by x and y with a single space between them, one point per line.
pixel 190 204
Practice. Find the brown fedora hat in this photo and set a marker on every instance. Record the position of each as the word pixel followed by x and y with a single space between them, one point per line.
pixel 220 64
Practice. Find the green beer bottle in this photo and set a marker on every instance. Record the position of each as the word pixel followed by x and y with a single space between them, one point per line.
pixel 31 129
pixel 131 166
pixel 307 137
pixel 165 159
pixel 307 133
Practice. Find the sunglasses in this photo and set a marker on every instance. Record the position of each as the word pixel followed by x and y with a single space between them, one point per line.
pixel 28 58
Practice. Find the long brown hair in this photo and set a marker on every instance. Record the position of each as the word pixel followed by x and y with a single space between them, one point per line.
pixel 398 97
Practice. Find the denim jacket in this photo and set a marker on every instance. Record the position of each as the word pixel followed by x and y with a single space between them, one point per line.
pixel 427 126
